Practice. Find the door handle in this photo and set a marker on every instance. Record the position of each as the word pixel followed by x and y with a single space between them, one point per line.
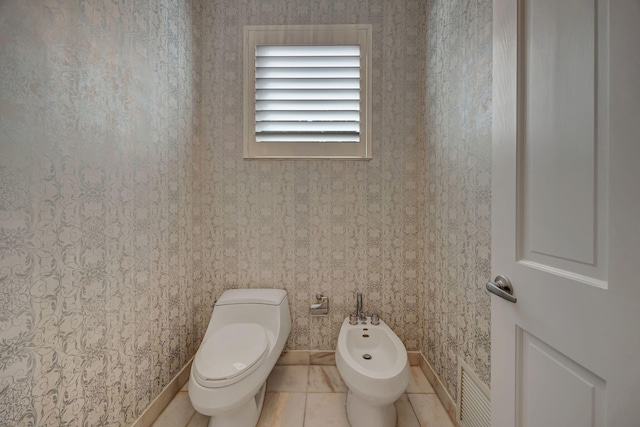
pixel 502 287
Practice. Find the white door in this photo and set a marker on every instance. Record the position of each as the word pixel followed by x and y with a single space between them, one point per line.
pixel 566 213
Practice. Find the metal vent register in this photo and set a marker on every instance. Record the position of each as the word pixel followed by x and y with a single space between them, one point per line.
pixel 474 402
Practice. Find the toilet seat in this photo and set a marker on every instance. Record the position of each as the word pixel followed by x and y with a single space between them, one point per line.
pixel 230 354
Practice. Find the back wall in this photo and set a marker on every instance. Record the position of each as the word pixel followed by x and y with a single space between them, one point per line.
pixel 336 227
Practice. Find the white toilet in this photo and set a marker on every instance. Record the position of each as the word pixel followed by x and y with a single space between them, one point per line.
pixel 246 334
pixel 374 365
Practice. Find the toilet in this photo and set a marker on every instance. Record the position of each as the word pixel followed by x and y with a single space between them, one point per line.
pixel 374 365
pixel 246 334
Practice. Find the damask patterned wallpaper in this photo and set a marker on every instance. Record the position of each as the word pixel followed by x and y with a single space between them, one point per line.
pixel 458 122
pixel 126 207
pixel 336 227
pixel 97 122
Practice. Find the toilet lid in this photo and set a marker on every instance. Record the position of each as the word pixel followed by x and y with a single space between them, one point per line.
pixel 230 353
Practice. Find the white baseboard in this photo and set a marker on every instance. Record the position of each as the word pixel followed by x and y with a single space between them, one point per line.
pixel 158 405
pixel 447 401
pixel 318 357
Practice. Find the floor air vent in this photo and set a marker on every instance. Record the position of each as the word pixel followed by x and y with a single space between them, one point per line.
pixel 474 405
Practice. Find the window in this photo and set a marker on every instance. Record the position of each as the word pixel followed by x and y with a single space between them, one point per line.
pixel 307 92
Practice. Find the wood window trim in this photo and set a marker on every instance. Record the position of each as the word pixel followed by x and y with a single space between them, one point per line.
pixel 308 34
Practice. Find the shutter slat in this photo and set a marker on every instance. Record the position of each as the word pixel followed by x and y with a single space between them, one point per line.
pixel 347 105
pixel 307 61
pixel 308 137
pixel 321 83
pixel 290 116
pixel 307 73
pixel 306 94
pixel 307 50
pixel 284 127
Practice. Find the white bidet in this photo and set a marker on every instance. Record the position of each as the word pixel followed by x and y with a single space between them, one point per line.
pixel 373 363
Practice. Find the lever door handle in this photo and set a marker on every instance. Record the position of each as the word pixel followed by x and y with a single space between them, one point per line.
pixel 502 287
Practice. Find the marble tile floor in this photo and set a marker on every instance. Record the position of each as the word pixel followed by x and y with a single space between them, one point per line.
pixel 315 396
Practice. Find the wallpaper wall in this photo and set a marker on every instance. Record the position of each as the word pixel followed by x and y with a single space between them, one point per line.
pixel 336 227
pixel 458 111
pixel 97 122
pixel 126 207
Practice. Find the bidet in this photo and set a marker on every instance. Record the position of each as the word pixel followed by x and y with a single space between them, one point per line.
pixel 374 365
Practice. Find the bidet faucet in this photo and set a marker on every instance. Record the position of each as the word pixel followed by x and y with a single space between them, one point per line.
pixel 359 310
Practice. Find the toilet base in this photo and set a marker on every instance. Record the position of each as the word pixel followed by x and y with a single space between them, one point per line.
pixel 245 416
pixel 362 414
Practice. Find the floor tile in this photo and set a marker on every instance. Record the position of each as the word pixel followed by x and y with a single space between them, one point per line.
pixel 282 409
pixel 418 383
pixel 288 378
pixel 177 413
pixel 326 409
pixel 325 379
pixel 405 414
pixel 198 420
pixel 429 410
pixel 314 396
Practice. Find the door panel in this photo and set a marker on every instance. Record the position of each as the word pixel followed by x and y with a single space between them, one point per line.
pixel 565 203
pixel 549 379
pixel 559 141
pixel 562 190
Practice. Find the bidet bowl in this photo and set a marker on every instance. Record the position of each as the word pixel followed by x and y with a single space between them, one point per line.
pixel 373 362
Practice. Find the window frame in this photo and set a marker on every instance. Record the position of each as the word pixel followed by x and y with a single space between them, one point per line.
pixel 255 35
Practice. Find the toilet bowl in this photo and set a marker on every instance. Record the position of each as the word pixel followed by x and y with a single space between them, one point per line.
pixel 374 365
pixel 246 334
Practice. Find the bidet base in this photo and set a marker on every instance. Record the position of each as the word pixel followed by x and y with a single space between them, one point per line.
pixel 363 414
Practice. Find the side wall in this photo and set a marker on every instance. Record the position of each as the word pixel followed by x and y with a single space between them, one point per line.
pixel 336 227
pixel 458 122
pixel 97 119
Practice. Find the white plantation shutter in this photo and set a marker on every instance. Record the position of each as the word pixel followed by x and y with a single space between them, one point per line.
pixel 307 93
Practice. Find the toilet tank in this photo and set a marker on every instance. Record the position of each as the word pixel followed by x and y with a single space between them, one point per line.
pixel 267 307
